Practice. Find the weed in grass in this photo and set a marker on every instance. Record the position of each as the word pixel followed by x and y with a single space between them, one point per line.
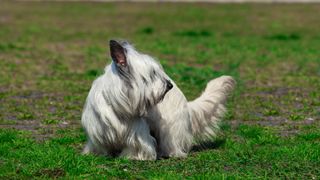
pixel 50 121
pixel 25 116
pixel 296 117
pixel 270 112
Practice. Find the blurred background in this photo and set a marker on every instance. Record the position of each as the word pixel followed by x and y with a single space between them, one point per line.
pixel 51 51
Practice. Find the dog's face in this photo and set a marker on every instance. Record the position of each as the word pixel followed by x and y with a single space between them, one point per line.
pixel 143 80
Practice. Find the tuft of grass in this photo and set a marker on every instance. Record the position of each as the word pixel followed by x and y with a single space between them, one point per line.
pixel 296 117
pixel 271 112
pixel 191 33
pixel 5 47
pixel 250 132
pixel 25 115
pixel 50 121
pixel 93 73
pixel 147 30
pixel 285 37
pixel 310 136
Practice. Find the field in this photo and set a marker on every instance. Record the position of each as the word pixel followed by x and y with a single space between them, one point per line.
pixel 51 52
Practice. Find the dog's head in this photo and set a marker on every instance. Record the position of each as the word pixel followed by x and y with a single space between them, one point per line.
pixel 143 81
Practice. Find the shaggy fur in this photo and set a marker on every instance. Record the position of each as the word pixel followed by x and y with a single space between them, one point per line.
pixel 135 110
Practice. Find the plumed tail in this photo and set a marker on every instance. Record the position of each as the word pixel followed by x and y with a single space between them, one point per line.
pixel 207 110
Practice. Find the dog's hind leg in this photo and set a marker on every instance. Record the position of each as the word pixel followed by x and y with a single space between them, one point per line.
pixel 173 133
pixel 140 145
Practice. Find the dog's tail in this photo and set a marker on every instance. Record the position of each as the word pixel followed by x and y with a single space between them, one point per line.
pixel 207 110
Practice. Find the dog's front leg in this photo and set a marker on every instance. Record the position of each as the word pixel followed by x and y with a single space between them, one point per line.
pixel 91 148
pixel 140 145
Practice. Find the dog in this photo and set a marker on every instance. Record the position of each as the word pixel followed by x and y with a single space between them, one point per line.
pixel 135 110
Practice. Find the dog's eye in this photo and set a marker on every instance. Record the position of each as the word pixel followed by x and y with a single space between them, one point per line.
pixel 144 80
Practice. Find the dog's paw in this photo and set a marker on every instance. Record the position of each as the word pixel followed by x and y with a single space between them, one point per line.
pixel 140 155
pixel 141 158
pixel 87 149
pixel 172 154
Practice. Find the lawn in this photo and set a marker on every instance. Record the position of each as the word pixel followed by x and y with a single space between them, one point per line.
pixel 51 52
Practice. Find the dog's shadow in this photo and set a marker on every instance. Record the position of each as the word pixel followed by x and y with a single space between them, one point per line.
pixel 208 145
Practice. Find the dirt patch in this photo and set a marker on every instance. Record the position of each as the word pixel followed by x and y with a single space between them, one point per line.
pixel 29 125
pixel 284 126
pixel 278 92
pixel 274 121
pixel 52 173
pixel 39 131
pixel 40 113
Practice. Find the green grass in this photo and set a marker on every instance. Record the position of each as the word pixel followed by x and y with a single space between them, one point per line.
pixel 51 52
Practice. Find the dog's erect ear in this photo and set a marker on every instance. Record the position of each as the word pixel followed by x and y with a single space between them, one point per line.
pixel 118 53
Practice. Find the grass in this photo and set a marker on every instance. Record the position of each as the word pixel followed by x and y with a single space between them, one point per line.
pixel 51 52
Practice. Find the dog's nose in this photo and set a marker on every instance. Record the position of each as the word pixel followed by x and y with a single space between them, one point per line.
pixel 169 85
